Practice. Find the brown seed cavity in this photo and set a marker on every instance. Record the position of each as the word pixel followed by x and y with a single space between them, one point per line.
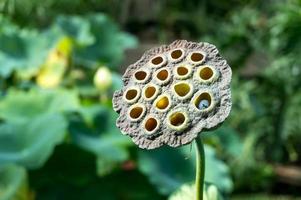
pixel 131 94
pixel 197 57
pixel 206 74
pixel 162 76
pixel 136 112
pixel 150 91
pixel 176 54
pixel 157 61
pixel 141 76
pixel 151 124
pixel 178 120
pixel 182 71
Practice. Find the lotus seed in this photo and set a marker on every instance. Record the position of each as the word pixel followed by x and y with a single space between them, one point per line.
pixel 203 104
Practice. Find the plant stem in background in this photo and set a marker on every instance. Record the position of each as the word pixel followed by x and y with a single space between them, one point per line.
pixel 200 168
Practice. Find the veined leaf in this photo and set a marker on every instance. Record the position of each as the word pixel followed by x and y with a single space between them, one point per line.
pixel 97 39
pixel 169 168
pixel 75 27
pixel 20 105
pixel 30 143
pixel 23 51
pixel 33 123
pixel 97 133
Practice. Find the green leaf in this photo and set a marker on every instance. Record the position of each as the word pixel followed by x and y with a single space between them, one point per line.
pixel 109 44
pixel 285 29
pixel 292 119
pixel 30 143
pixel 33 124
pixel 79 180
pixel 23 51
pixel 100 136
pixel 19 105
pixel 228 140
pixel 75 27
pixel 97 39
pixel 7 26
pixel 13 183
pixel 169 168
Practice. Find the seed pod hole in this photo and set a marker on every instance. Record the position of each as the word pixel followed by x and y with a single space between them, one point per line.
pixel 132 95
pixel 150 92
pixel 196 57
pixel 136 112
pixel 141 75
pixel 182 71
pixel 162 75
pixel 157 60
pixel 151 125
pixel 162 102
pixel 176 54
pixel 182 89
pixel 206 73
pixel 177 119
pixel 203 101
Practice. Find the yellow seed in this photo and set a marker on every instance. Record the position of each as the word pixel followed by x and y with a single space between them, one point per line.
pixel 162 103
pixel 182 89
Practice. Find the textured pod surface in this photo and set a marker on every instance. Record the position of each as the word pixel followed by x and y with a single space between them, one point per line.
pixel 173 93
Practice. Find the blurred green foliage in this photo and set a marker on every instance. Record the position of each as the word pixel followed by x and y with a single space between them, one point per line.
pixel 58 138
pixel 13 183
pixel 187 192
pixel 168 168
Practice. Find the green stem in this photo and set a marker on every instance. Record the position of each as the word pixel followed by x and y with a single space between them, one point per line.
pixel 200 168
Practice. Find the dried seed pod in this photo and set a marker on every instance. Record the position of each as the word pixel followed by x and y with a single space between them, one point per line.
pixel 173 93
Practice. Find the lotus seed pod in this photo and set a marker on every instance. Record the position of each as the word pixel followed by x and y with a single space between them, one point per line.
pixel 173 93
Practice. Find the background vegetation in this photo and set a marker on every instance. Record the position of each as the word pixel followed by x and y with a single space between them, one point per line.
pixel 58 138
